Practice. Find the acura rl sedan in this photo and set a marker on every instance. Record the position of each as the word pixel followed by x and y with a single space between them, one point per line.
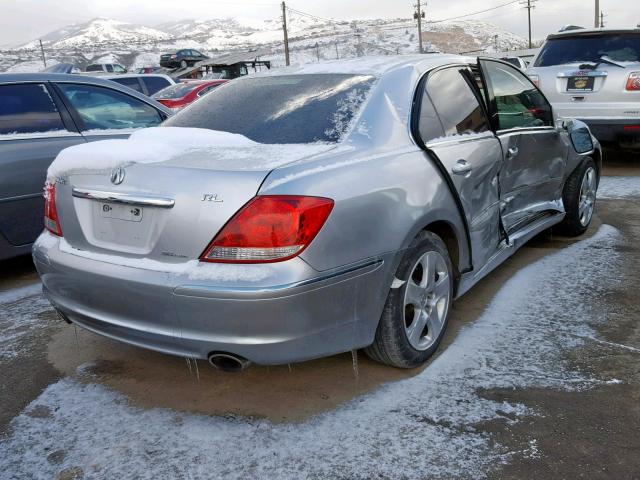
pixel 313 210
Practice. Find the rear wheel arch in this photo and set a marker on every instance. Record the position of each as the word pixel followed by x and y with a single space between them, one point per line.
pixel 447 234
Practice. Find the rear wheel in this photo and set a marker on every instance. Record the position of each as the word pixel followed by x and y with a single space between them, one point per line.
pixel 415 315
pixel 183 64
pixel 579 198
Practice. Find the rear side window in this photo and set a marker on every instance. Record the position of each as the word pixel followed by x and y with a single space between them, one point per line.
pixel 619 47
pixel 518 103
pixel 457 106
pixel 94 68
pixel 105 109
pixel 129 82
pixel 28 108
pixel 155 84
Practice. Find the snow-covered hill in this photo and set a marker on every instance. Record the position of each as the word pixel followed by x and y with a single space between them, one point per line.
pixel 98 32
pixel 310 40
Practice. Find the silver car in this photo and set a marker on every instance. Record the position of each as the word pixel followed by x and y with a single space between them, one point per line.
pixel 594 76
pixel 314 210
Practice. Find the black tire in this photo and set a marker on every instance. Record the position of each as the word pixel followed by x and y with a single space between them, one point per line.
pixel 575 223
pixel 391 345
pixel 184 64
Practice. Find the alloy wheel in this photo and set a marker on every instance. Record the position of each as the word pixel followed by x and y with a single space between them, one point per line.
pixel 426 300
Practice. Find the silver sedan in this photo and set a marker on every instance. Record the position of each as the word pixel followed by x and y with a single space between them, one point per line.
pixel 313 210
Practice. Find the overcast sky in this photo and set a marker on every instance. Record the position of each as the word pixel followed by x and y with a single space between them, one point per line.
pixel 24 20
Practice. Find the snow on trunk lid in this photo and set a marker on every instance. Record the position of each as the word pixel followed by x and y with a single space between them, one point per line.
pixel 164 193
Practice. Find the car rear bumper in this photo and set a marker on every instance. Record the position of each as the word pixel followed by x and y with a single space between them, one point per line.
pixel 169 63
pixel 615 130
pixel 271 323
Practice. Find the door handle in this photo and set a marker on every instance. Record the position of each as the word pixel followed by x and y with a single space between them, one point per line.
pixel 513 152
pixel 461 167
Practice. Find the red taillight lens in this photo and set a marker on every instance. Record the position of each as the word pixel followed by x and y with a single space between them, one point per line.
pixel 535 79
pixel 633 83
pixel 270 228
pixel 51 220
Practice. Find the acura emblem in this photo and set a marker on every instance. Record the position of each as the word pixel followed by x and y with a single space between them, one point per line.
pixel 117 176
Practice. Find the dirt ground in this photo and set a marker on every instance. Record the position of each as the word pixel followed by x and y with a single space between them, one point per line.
pixel 580 434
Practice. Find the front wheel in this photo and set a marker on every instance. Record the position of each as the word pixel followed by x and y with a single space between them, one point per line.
pixel 579 198
pixel 415 315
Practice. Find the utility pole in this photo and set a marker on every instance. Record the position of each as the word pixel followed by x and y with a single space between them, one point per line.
pixel 495 38
pixel 528 4
pixel 602 19
pixel 318 51
pixel 335 33
pixel 286 36
pixel 419 15
pixel 44 60
pixel 597 21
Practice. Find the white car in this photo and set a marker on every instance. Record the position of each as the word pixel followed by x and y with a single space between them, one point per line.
pixel 594 76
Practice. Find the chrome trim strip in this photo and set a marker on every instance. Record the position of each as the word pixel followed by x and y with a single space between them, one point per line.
pixel 459 139
pixel 39 135
pixel 126 198
pixel 213 291
pixel 580 74
pixel 21 197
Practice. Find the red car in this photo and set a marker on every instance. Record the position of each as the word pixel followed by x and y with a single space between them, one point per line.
pixel 178 96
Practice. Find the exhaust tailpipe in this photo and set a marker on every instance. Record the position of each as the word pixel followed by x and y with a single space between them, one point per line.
pixel 227 362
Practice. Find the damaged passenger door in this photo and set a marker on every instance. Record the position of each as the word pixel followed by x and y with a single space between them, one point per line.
pixel 534 153
pixel 454 129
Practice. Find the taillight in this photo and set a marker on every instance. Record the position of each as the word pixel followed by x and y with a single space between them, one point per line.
pixel 51 220
pixel 270 228
pixel 535 79
pixel 633 83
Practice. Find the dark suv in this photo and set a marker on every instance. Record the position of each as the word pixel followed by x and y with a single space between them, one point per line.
pixel 181 58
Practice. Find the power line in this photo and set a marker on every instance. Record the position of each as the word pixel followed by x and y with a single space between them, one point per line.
pixel 474 13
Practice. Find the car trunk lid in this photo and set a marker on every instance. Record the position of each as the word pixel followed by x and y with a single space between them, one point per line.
pixel 166 210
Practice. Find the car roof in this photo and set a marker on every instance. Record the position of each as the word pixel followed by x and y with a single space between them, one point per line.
pixel 85 79
pixel 375 65
pixel 593 31
pixel 136 75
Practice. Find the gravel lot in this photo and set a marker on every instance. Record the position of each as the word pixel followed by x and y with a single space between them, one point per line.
pixel 538 377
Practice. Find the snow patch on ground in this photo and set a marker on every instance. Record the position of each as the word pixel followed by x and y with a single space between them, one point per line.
pixel 20 318
pixel 425 425
pixel 619 187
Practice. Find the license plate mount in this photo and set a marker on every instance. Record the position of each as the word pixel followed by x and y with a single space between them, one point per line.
pixel 580 84
pixel 128 213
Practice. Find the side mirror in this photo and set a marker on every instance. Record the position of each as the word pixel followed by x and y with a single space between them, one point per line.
pixel 581 139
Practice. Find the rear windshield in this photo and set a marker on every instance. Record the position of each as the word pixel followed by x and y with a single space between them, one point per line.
pixel 178 90
pixel 281 109
pixel 590 48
